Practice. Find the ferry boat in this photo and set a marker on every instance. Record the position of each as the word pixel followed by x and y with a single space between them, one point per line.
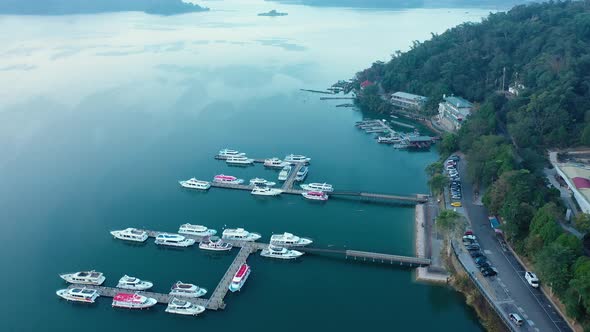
pixel 239 234
pixel 261 182
pixel 239 160
pixel 130 234
pixel 197 230
pixel 274 163
pixel 387 140
pixel 284 174
pixel 289 240
pixel 174 240
pixel 133 283
pixel 133 301
pixel 297 158
pixel 302 173
pixel 193 183
pixel 221 178
pixel 182 307
pixel 315 195
pixel 230 153
pixel 214 243
pixel 84 277
pixel 266 191
pixel 78 294
pixel 187 290
pixel 280 252
pixel 325 187
pixel 401 145
pixel 240 278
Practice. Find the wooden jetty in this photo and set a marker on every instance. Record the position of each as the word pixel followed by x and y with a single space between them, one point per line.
pixel 372 257
pixel 336 98
pixel 419 198
pixel 216 300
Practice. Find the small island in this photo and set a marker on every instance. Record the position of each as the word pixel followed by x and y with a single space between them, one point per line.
pixel 273 13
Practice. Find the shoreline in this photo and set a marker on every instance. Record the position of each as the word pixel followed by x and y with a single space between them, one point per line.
pixel 423 248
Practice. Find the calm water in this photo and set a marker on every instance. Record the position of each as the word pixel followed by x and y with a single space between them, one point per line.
pixel 102 114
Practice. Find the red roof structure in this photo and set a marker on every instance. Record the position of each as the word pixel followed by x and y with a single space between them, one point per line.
pixel 366 83
pixel 581 183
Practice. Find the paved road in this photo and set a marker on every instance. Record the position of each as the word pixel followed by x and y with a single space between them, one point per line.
pixel 510 288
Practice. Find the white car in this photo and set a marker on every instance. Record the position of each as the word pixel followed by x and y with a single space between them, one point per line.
pixel 532 279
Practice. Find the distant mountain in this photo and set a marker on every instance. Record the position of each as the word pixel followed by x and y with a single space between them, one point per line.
pixel 63 7
pixel 393 4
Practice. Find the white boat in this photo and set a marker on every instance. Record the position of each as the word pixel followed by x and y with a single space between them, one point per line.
pixel 78 294
pixel 84 277
pixel 193 183
pixel 297 158
pixel 133 283
pixel 214 243
pixel 182 307
pixel 197 230
pixel 280 252
pixel 221 178
pixel 130 234
pixel 315 195
pixel 318 187
pixel 230 153
pixel 240 234
pixel 240 278
pixel 266 191
pixel 284 174
pixel 133 301
pixel 261 182
pixel 239 160
pixel 187 290
pixel 174 240
pixel 301 173
pixel 274 162
pixel 289 240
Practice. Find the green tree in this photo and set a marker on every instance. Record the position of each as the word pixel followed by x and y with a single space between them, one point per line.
pixel 448 144
pixel 582 222
pixel 448 222
pixel 437 183
pixel 554 264
pixel 434 168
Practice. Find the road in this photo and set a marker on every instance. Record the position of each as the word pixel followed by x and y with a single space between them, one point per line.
pixel 509 288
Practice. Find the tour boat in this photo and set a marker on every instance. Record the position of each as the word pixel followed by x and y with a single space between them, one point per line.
pixel 261 182
pixel 280 252
pixel 297 158
pixel 301 173
pixel 133 283
pixel 193 183
pixel 78 294
pixel 318 187
pixel 133 301
pixel 240 278
pixel 227 179
pixel 130 234
pixel 266 191
pixel 197 230
pixel 274 162
pixel 289 240
pixel 182 307
pixel 315 195
pixel 239 160
pixel 214 243
pixel 284 174
pixel 240 234
pixel 388 140
pixel 174 240
pixel 84 277
pixel 230 153
pixel 187 290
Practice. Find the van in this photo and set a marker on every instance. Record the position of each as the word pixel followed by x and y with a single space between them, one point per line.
pixel 532 279
pixel 515 318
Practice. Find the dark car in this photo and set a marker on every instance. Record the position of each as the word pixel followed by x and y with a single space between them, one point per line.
pixel 481 259
pixel 455 158
pixel 489 272
pixel 483 265
pixel 472 247
pixel 476 254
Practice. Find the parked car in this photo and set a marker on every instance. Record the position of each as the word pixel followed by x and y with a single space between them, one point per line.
pixel 481 259
pixel 472 247
pixel 476 254
pixel 455 158
pixel 515 318
pixel 456 204
pixel 532 279
pixel 468 232
pixel 483 265
pixel 489 272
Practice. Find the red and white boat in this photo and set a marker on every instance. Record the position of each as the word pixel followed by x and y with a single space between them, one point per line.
pixel 133 301
pixel 221 178
pixel 240 278
pixel 315 195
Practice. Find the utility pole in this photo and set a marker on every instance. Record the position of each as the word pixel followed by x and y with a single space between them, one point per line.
pixel 503 78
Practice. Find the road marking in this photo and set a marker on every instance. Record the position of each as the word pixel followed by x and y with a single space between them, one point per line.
pixel 488 252
pixel 531 323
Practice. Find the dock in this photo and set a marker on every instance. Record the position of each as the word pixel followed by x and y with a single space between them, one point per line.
pixel 372 257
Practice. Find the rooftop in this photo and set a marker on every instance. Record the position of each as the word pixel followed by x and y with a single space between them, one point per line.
pixel 580 176
pixel 406 95
pixel 458 102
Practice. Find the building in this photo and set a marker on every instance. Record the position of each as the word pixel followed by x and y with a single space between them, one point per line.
pixel 577 177
pixel 453 111
pixel 365 84
pixel 408 101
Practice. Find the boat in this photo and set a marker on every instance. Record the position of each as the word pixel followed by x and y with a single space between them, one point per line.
pixel 297 158
pixel 284 174
pixel 196 230
pixel 130 234
pixel 401 146
pixel 187 290
pixel 227 179
pixel 273 13
pixel 301 173
pixel 280 252
pixel 78 294
pixel 239 234
pixel 261 182
pixel 214 243
pixel 274 162
pixel 134 283
pixel 266 191
pixel 388 140
pixel 230 153
pixel 182 307
pixel 240 278
pixel 193 183
pixel 133 301
pixel 325 187
pixel 84 277
pixel 315 195
pixel 289 240
pixel 239 160
pixel 174 240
